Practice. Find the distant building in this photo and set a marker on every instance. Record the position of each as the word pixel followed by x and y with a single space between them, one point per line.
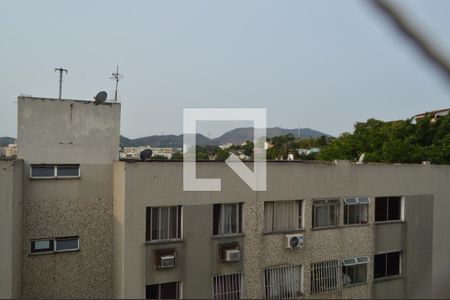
pixel 226 146
pixel 435 114
pixel 134 152
pixel 308 151
pixel 10 150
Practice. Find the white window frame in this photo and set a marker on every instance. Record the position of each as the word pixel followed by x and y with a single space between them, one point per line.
pixel 239 214
pixel 55 171
pixel 179 227
pixel 400 265
pixel 324 270
pixel 55 240
pixel 355 261
pixel 326 202
pixel 402 210
pixel 300 216
pixel 358 201
pixel 226 281
pixel 280 271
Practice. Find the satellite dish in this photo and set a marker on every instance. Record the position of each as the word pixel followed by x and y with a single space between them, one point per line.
pixel 146 154
pixel 100 98
pixel 361 159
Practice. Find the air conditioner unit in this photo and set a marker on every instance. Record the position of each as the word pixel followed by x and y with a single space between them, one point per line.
pixel 167 261
pixel 232 255
pixel 294 241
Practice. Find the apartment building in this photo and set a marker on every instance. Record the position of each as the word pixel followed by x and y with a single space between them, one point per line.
pixel 80 223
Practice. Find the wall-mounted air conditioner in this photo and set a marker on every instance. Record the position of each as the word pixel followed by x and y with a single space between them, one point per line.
pixel 294 241
pixel 232 255
pixel 167 261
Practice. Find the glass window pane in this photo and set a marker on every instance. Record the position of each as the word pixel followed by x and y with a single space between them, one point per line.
pixel 364 215
pixel 155 223
pixel 353 214
pixel 169 290
pixel 173 222
pixel 321 216
pixel 393 263
pixel 41 246
pixel 67 244
pixel 361 273
pixel 394 208
pixel 164 223
pixel 152 291
pixel 68 171
pixel 381 209
pixel 333 215
pixel 379 266
pixel 42 171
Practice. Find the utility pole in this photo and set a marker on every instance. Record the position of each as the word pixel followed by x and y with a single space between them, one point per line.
pixel 116 76
pixel 61 71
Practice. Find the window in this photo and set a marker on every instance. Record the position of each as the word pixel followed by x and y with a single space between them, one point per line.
pixel 354 270
pixel 283 282
pixel 62 244
pixel 67 244
pixel 282 215
pixel 163 223
pixel 356 210
pixel 42 171
pixel 325 277
pixel 68 171
pixel 168 290
pixel 387 264
pixel 388 209
pixel 55 171
pixel 40 246
pixel 227 218
pixel 227 286
pixel 325 213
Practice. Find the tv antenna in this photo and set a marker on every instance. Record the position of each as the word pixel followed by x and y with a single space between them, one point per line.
pixel 116 76
pixel 61 71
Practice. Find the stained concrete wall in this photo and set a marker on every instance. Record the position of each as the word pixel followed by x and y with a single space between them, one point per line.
pixel 160 184
pixel 11 172
pixel 69 132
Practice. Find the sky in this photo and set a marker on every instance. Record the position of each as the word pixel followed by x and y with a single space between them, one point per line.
pixel 319 64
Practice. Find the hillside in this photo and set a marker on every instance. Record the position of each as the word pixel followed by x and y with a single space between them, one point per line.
pixel 235 136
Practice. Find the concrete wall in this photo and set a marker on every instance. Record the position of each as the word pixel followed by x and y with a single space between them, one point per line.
pixel 160 184
pixel 69 132
pixel 11 173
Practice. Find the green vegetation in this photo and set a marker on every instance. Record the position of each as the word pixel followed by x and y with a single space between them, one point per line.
pixel 394 142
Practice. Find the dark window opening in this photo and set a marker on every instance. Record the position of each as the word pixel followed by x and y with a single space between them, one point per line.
pixel 168 290
pixel 387 264
pixel 388 209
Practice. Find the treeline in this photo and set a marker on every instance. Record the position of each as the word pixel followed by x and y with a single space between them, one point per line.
pixel 402 141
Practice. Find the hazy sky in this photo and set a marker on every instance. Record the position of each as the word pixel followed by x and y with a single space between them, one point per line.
pixel 317 64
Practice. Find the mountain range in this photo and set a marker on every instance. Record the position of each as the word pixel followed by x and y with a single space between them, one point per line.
pixel 236 136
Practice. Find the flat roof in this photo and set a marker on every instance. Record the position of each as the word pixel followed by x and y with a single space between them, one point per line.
pixel 62 100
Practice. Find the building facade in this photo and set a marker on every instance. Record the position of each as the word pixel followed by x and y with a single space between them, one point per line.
pixel 80 223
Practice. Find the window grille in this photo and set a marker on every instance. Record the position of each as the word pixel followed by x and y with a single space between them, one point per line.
pixel 227 286
pixel 325 277
pixel 283 282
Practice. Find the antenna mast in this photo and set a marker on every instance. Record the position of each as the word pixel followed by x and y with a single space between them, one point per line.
pixel 116 76
pixel 61 71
